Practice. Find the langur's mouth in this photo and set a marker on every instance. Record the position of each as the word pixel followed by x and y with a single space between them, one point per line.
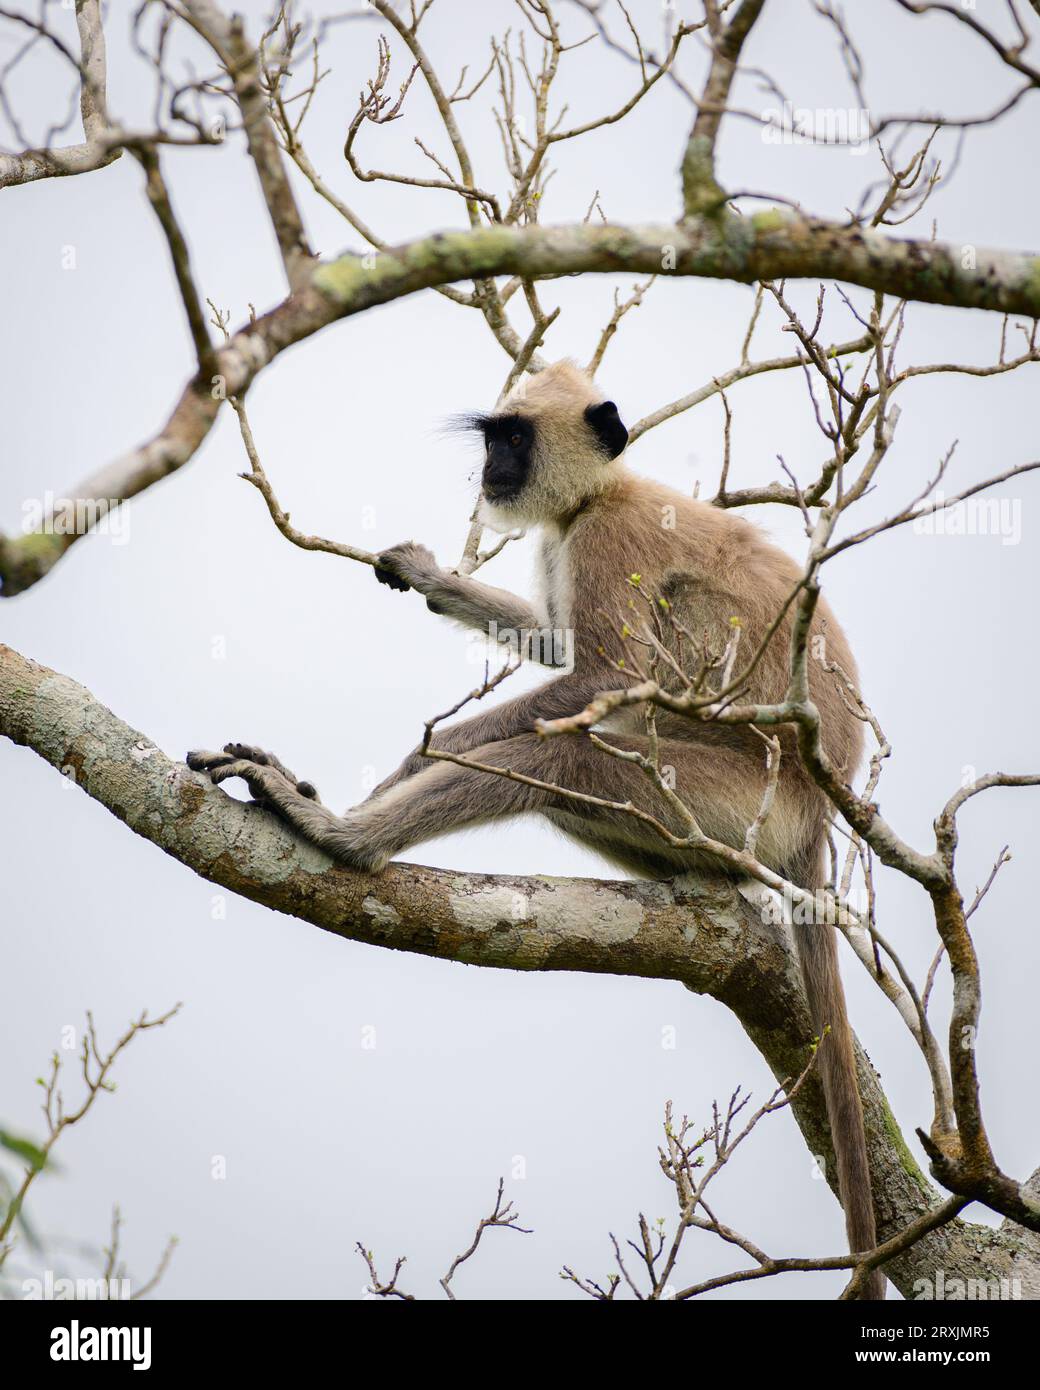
pixel 499 495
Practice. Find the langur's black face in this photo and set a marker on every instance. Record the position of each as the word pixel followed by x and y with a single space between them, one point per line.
pixel 508 443
pixel 510 440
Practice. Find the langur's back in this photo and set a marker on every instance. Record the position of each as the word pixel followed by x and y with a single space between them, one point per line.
pixel 711 567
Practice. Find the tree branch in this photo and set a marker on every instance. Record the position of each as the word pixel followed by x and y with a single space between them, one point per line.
pixel 159 197
pixel 701 932
pixel 701 191
pixel 777 244
pixel 227 38
pixel 96 150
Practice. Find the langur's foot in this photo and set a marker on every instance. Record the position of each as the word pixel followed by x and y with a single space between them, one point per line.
pixel 264 782
pixel 204 761
pixel 348 839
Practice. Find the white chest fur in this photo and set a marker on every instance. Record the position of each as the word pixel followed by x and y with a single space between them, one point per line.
pixel 554 579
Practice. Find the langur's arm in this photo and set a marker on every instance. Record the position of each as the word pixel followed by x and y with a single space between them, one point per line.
pixel 497 613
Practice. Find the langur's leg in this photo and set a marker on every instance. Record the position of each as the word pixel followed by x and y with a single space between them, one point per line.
pixel 444 797
pixel 566 695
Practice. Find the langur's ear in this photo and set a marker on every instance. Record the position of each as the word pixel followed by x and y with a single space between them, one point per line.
pixel 607 427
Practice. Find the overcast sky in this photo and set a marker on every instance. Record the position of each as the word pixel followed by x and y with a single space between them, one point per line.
pixel 206 625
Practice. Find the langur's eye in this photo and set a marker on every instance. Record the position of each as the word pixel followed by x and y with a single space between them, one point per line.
pixel 516 440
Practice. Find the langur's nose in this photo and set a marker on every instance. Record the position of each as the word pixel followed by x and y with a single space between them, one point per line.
pixel 495 475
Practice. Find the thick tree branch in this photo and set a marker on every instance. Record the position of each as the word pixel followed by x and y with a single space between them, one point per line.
pixel 701 932
pixel 24 560
pixel 776 244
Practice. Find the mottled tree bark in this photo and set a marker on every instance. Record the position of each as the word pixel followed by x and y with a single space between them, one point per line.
pixel 699 932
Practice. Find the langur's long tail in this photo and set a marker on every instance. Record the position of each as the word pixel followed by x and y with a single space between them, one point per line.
pixel 817 946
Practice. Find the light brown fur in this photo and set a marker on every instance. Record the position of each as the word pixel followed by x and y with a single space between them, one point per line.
pixel 601 524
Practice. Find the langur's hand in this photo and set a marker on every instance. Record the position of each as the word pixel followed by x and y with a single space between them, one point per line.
pixel 407 566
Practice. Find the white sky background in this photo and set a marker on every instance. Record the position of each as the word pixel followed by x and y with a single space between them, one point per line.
pixel 401 1146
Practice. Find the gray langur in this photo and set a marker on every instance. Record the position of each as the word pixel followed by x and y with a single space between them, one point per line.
pixel 555 460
